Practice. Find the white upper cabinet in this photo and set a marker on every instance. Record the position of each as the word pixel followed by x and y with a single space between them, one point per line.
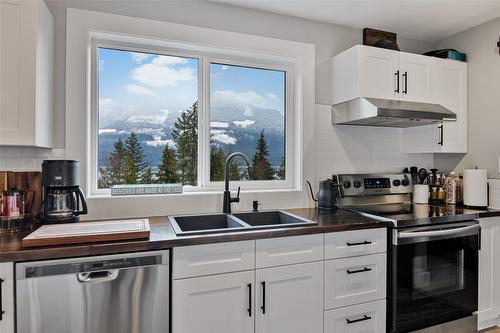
pixel 415 77
pixel 26 73
pixel 450 87
pixel 366 71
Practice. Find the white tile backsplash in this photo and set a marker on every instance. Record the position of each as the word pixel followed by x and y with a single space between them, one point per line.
pixel 27 159
pixel 358 149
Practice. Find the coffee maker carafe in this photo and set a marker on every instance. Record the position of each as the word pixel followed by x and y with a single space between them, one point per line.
pixel 63 201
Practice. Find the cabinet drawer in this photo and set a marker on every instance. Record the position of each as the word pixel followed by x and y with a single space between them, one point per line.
pixel 366 318
pixel 209 259
pixel 350 281
pixel 355 243
pixel 288 250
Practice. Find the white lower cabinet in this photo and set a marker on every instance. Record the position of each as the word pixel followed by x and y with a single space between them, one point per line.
pixel 289 299
pixel 489 273
pixel 7 297
pixel 361 318
pixel 218 303
pixel 355 280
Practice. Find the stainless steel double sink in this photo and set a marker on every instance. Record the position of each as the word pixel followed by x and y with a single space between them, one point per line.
pixel 185 225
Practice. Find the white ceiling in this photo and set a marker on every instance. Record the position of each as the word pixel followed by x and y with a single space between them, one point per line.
pixel 429 21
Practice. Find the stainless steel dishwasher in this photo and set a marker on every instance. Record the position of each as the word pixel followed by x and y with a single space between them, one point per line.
pixel 125 293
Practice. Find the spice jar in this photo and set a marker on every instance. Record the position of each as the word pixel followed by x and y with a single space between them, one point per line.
pixel 441 194
pixel 433 196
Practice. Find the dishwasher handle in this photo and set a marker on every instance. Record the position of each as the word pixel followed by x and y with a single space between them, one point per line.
pixel 99 276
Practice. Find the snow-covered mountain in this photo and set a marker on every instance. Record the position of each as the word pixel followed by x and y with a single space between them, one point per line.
pixel 233 128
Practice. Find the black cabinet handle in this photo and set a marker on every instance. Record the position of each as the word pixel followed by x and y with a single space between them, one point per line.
pixel 1 303
pixel 405 75
pixel 365 269
pixel 360 243
pixel 397 82
pixel 441 135
pixel 365 317
pixel 249 299
pixel 263 307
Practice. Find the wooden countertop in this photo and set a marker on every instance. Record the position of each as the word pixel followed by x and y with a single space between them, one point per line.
pixel 164 237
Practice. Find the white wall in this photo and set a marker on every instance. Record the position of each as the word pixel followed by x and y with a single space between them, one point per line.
pixel 483 99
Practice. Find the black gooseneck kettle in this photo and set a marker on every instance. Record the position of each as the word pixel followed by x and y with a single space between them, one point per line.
pixel 327 194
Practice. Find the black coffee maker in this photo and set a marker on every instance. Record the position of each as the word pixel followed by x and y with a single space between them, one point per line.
pixel 63 201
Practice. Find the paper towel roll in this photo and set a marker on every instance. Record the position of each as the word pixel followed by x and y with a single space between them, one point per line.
pixel 494 193
pixel 476 187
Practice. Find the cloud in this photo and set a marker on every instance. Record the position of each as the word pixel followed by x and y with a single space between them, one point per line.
pixel 106 104
pixel 140 57
pixel 168 60
pixel 140 90
pixel 231 97
pixel 273 97
pixel 153 75
pixel 225 67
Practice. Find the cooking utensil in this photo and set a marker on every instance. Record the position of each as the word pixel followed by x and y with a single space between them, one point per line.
pixel 422 176
pixel 413 172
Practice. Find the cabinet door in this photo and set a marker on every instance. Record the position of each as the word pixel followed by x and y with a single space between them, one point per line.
pixel 415 77
pixel 362 318
pixel 289 299
pixel 355 280
pixel 218 303
pixel 378 73
pixel 489 272
pixel 7 297
pixel 450 88
pixel 18 20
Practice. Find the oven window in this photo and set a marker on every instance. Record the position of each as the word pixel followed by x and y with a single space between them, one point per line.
pixel 438 274
pixel 438 280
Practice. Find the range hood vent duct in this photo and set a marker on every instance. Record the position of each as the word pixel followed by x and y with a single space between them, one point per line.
pixel 366 111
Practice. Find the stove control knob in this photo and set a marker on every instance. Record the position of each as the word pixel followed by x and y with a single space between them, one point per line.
pixel 347 184
pixel 357 184
pixel 396 182
pixel 405 182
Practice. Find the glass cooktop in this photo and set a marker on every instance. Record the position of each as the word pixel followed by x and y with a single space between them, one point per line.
pixel 408 213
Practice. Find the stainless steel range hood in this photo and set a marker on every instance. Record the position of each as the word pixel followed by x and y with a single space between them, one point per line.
pixel 389 113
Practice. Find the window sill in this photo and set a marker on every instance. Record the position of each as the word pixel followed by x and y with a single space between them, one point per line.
pixel 188 194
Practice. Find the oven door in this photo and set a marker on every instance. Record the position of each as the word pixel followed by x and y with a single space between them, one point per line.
pixel 434 275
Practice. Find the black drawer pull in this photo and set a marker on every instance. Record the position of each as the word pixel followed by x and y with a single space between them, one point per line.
pixel 249 299
pixel 360 243
pixel 1 306
pixel 365 317
pixel 364 269
pixel 397 82
pixel 263 307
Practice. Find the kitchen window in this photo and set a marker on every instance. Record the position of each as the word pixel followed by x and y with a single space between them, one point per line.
pixel 162 115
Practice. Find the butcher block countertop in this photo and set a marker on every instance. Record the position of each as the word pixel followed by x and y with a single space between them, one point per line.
pixel 162 236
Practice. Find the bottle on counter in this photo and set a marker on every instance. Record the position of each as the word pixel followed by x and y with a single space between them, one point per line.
pixel 451 189
pixel 441 195
pixel 460 189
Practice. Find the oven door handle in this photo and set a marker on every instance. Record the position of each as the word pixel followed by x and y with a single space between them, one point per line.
pixel 435 233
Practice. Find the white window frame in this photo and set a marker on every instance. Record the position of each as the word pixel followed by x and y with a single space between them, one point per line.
pixel 205 56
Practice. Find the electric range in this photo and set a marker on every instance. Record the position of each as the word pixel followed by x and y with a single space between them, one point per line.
pixel 433 254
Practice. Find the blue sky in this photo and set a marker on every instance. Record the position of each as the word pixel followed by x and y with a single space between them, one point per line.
pixel 140 84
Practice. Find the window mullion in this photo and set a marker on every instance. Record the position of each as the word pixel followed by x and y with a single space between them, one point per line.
pixel 204 134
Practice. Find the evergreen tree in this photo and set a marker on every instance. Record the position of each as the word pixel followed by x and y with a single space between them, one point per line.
pixel 262 169
pixel 235 171
pixel 147 177
pixel 185 134
pixel 281 171
pixel 135 164
pixel 217 160
pixel 167 170
pixel 114 170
